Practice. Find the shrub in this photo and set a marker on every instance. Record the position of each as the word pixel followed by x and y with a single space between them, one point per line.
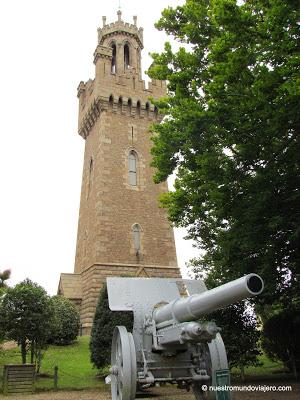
pixel 66 321
pixel 104 323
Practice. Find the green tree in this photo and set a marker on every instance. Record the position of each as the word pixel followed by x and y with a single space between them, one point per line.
pixel 281 338
pixel 239 329
pixel 240 335
pixel 66 321
pixel 27 316
pixel 231 133
pixel 4 276
pixel 103 327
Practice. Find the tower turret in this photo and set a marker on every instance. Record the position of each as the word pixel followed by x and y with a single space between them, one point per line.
pixel 126 42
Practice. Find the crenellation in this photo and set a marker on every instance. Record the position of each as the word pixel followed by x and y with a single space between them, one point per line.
pixel 120 28
pixel 121 106
pixel 80 89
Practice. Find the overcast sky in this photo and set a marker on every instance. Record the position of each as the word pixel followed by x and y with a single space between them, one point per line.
pixel 46 50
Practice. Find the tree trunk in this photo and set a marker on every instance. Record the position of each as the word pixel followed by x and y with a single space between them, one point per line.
pixel 294 366
pixel 32 352
pixel 242 369
pixel 39 360
pixel 23 351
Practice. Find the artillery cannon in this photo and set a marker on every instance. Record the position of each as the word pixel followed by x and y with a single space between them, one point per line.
pixel 168 342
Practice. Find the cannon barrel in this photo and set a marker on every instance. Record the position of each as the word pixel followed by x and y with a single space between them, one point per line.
pixel 198 305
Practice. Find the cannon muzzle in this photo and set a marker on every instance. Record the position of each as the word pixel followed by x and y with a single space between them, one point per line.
pixel 198 305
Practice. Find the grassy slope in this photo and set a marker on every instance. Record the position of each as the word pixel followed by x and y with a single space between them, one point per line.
pixel 75 370
pixel 268 369
pixel 74 367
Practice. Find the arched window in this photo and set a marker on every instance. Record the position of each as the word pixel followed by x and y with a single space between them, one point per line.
pixel 126 56
pixel 138 108
pixel 136 229
pixel 111 102
pixel 132 161
pixel 147 109
pixel 120 104
pixel 129 106
pixel 113 60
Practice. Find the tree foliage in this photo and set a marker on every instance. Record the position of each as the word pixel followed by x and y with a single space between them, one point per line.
pixel 281 338
pixel 103 327
pixel 4 276
pixel 66 321
pixel 26 314
pixel 240 335
pixel 232 136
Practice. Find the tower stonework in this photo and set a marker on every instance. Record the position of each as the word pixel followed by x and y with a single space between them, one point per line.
pixel 122 231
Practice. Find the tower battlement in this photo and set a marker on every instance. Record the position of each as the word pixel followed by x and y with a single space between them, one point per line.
pixel 122 105
pixel 119 94
pixel 122 27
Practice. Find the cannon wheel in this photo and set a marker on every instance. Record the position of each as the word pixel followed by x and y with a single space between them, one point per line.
pixel 123 361
pixel 216 357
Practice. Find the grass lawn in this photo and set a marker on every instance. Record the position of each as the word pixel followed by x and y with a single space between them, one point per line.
pixel 269 370
pixel 75 370
pixel 268 367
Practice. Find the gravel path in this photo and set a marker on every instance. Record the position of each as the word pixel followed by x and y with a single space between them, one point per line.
pixel 158 394
pixel 62 395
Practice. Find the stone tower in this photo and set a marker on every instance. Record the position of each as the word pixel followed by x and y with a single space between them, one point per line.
pixel 121 229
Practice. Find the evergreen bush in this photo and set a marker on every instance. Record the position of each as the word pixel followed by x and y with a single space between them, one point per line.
pixel 103 327
pixel 66 321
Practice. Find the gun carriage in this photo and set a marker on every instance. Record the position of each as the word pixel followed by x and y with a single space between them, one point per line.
pixel 169 342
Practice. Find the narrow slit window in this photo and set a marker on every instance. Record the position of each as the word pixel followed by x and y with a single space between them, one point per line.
pixel 113 60
pixel 137 237
pixel 90 180
pixel 132 168
pixel 126 57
